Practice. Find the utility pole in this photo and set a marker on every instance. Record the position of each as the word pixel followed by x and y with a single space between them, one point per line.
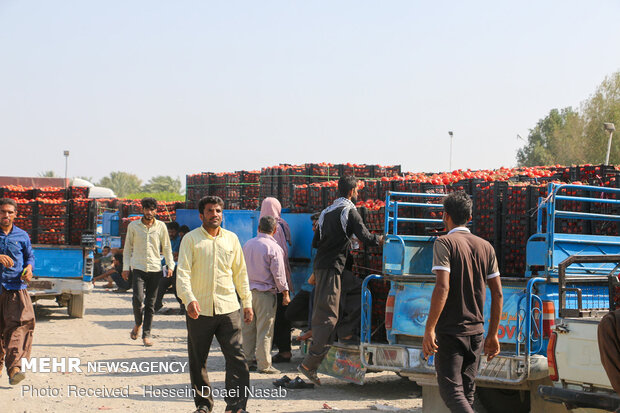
pixel 66 153
pixel 609 127
pixel 451 136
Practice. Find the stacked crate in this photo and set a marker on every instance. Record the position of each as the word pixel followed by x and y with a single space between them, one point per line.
pixel 53 218
pixel 487 213
pixel 300 198
pixel 515 229
pixel 80 221
pixel 250 189
pixel 26 217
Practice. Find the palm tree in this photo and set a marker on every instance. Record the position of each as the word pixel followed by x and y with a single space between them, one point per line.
pixel 122 183
pixel 163 184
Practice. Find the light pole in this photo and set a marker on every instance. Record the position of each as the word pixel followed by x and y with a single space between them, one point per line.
pixel 451 136
pixel 66 153
pixel 609 127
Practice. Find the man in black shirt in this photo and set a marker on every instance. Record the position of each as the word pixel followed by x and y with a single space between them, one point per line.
pixel 332 239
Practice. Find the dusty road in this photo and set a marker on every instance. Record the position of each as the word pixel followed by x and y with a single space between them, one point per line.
pixel 103 336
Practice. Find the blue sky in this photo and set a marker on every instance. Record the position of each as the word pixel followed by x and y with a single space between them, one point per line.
pixel 171 88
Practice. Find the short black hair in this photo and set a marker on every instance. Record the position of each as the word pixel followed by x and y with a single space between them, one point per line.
pixel 210 199
pixel 267 224
pixel 149 203
pixel 173 225
pixel 458 206
pixel 105 246
pixel 119 257
pixel 8 201
pixel 346 184
pixel 184 229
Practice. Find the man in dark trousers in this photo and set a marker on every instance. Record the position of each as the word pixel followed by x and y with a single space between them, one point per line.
pixel 146 240
pixel 16 311
pixel 332 238
pixel 464 265
pixel 211 279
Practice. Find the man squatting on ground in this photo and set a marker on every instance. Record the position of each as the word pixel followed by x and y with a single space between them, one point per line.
pixel 267 275
pixel 337 223
pixel 16 311
pixel 210 275
pixel 463 264
pixel 146 239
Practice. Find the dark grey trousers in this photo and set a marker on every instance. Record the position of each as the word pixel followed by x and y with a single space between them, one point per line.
pixel 456 363
pixel 227 329
pixel 336 310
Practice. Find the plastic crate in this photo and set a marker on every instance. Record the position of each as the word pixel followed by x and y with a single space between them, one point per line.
pixel 55 238
pixel 18 193
pixel 26 208
pixel 52 209
pixel 26 223
pixel 53 223
pixel 315 197
pixel 51 193
pixel 78 192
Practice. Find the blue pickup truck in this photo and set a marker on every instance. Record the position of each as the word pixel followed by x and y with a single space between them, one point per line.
pixel 62 273
pixel 509 381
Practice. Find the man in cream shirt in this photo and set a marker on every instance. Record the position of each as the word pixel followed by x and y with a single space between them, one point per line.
pixel 211 272
pixel 146 239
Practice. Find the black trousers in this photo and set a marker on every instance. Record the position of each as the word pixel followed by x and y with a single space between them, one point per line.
pixel 164 284
pixel 456 363
pixel 144 281
pixel 282 328
pixel 300 307
pixel 227 329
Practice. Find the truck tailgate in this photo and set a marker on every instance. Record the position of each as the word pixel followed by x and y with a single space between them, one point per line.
pixel 577 354
pixel 58 261
pixel 413 299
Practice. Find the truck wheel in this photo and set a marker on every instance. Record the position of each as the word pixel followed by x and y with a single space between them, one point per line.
pixel 75 308
pixel 503 400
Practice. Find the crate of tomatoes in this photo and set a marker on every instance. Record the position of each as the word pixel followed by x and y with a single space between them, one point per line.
pixel 27 224
pixel 26 208
pixel 51 192
pixel 53 223
pixel 52 237
pixel 17 192
pixel 52 207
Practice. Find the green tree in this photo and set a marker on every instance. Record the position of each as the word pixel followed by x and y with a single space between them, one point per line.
pixel 86 178
pixel 555 139
pixel 603 106
pixel 163 184
pixel 570 137
pixel 47 174
pixel 122 183
pixel 160 196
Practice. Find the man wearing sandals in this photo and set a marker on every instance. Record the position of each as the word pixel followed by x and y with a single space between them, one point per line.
pixel 16 311
pixel 332 238
pixel 210 274
pixel 146 239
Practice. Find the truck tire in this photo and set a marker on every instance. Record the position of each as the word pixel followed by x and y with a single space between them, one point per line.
pixel 503 400
pixel 75 308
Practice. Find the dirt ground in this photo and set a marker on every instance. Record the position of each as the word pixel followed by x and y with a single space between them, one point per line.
pixel 103 336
